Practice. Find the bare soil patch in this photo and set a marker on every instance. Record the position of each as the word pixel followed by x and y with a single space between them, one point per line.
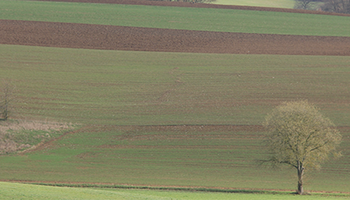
pixel 88 36
pixel 23 136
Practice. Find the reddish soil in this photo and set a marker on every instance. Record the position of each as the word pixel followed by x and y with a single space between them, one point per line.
pixel 165 40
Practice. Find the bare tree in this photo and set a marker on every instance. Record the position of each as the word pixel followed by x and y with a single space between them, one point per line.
pixel 303 4
pixel 299 136
pixel 190 1
pixel 339 6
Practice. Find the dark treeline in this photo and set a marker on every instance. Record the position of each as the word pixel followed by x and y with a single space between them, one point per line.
pixel 189 1
pixel 338 6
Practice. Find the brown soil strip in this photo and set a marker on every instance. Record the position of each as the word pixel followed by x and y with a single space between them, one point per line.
pixel 86 36
pixel 199 5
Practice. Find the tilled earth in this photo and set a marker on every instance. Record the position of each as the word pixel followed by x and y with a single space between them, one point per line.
pixel 87 36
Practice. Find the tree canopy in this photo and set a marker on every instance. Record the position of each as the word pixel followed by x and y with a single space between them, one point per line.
pixel 300 136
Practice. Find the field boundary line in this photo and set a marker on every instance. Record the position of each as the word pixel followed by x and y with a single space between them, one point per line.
pixel 176 188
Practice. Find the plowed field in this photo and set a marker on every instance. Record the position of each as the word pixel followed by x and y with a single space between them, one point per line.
pixel 71 35
pixel 152 39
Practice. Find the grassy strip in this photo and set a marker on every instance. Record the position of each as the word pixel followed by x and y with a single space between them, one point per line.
pixel 204 19
pixel 38 192
pixel 186 189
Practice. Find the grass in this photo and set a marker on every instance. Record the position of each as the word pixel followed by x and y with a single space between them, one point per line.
pixel 25 191
pixel 223 20
pixel 259 3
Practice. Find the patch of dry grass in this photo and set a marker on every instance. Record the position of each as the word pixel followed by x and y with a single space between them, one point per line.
pixel 17 135
pixel 17 125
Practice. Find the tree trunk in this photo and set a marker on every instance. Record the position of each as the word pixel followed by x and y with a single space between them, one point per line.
pixel 300 178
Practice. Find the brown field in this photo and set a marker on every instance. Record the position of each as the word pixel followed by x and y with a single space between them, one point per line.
pixel 87 36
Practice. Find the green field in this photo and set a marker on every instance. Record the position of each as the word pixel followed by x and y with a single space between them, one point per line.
pixel 166 157
pixel 146 88
pixel 101 89
pixel 205 19
pixel 33 192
